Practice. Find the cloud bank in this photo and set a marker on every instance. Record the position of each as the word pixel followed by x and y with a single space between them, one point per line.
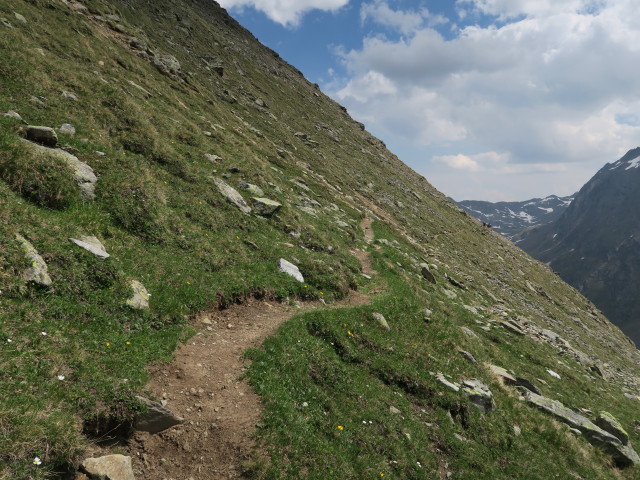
pixel 285 12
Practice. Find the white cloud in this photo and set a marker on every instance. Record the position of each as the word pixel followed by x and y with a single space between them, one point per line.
pixel 553 86
pixel 286 12
pixel 406 22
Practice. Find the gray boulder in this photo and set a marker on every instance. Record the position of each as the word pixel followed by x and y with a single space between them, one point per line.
pixel 622 454
pixel 232 196
pixel 91 244
pixel 610 424
pixel 167 64
pixel 110 467
pixel 37 272
pixel 12 114
pixel 140 298
pixel 156 419
pixel 426 273
pixel 265 206
pixel 67 129
pixel 251 188
pixel 42 135
pixel 290 269
pixel 479 394
pixel 378 317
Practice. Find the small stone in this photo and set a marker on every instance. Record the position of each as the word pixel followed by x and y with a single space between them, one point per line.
pixel 213 158
pixel 91 244
pixel 426 273
pixel 394 410
pixel 378 317
pixel 110 467
pixel 70 95
pixel 20 17
pixel 67 129
pixel 517 431
pixel 467 355
pixel 449 293
pixel 469 332
pixel 140 298
pixel 207 133
pixel 254 190
pixel 290 269
pixel 453 386
pixel 501 374
pixel 12 114
pixel 37 102
pixel 42 135
pixel 553 374
pixel 6 22
pixel 234 169
pixel 38 271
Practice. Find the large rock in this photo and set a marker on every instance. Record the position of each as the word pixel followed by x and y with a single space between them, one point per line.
pixel 156 418
pixel 479 394
pixel 38 271
pixel 110 467
pixel 167 64
pixel 232 196
pixel 622 454
pixel 140 298
pixel 290 269
pixel 83 174
pixel 610 424
pixel 42 135
pixel 265 206
pixel 91 244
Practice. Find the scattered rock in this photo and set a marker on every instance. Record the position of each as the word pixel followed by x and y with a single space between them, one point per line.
pixel 83 174
pixel 213 158
pixel 426 273
pixel 156 419
pixel 469 332
pixel 553 374
pixel 91 244
pixel 450 294
pixel 394 410
pixel 70 95
pixel 623 455
pixel 14 115
pixel 140 298
pixel 455 282
pixel 20 17
pixel 265 206
pixel 42 135
pixel 37 102
pixel 467 355
pixel 251 188
pixel 378 317
pixel 67 129
pixel 6 22
pixel 38 271
pixel 232 196
pixel 110 467
pixel 290 269
pixel 167 64
pixel 517 431
pixel 453 386
pixel 501 374
pixel 610 424
pixel 479 394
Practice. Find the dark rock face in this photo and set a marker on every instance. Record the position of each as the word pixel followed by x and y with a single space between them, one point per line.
pixel 595 244
pixel 511 218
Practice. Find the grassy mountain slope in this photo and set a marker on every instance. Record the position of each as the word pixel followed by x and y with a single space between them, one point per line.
pixel 73 355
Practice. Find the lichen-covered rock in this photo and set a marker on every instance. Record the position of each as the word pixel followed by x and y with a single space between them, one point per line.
pixel 623 455
pixel 140 298
pixel 156 419
pixel 38 271
pixel 290 269
pixel 232 196
pixel 167 64
pixel 265 206
pixel 479 394
pixel 91 244
pixel 110 467
pixel 251 189
pixel 610 424
pixel 42 135
pixel 378 317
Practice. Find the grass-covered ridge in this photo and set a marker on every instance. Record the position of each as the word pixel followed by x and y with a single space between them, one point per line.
pixel 75 352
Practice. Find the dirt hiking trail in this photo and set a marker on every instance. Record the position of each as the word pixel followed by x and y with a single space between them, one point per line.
pixel 204 385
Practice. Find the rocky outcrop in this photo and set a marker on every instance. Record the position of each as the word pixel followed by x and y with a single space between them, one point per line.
pixel 622 454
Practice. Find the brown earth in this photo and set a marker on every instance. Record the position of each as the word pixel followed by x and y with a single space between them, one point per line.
pixel 204 385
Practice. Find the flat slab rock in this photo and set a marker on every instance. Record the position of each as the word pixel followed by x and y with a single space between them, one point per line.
pixel 232 195
pixel 290 269
pixel 110 467
pixel 91 244
pixel 623 455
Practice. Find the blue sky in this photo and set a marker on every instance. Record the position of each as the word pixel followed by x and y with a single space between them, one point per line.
pixel 488 99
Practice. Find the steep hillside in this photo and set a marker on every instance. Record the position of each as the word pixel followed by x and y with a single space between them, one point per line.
pixel 511 218
pixel 594 244
pixel 191 162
